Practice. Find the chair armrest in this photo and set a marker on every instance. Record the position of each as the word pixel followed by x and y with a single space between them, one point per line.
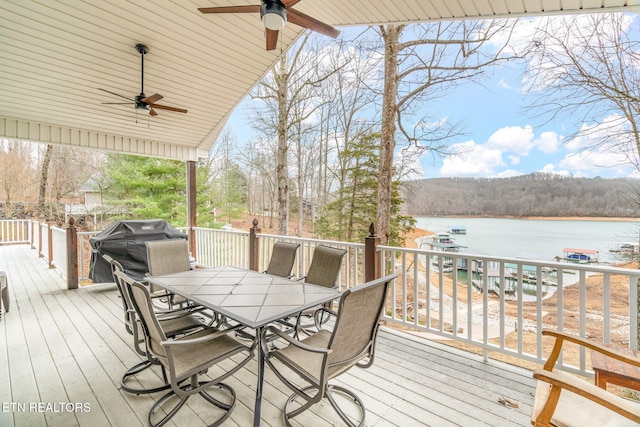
pixel 174 313
pixel 562 336
pixel 589 391
pixel 290 340
pixel 317 316
pixel 189 341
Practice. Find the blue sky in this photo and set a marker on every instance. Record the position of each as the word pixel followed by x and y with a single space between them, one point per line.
pixel 499 139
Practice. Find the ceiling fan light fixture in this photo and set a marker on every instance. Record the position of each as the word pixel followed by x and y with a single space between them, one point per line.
pixel 143 108
pixel 273 14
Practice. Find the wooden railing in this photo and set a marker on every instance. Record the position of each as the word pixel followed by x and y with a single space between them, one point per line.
pixel 497 305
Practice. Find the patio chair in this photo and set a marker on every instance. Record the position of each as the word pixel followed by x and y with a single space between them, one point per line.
pixel 562 399
pixel 188 357
pixel 325 266
pixel 173 322
pixel 324 270
pixel 324 355
pixel 282 258
pixel 167 257
pixel 4 293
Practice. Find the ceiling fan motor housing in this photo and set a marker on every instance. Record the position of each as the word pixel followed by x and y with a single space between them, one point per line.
pixel 140 104
pixel 273 14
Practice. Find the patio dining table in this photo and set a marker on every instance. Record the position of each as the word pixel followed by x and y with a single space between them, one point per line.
pixel 250 298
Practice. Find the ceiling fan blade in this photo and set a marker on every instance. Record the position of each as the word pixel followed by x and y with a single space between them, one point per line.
pixel 152 99
pixel 272 39
pixel 116 94
pixel 152 112
pixel 306 21
pixel 290 3
pixel 165 107
pixel 230 9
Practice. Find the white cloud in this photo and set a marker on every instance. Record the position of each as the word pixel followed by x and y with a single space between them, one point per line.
pixel 472 160
pixel 509 173
pixel 548 142
pixel 514 160
pixel 514 139
pixel 504 85
pixel 590 162
pixel 550 168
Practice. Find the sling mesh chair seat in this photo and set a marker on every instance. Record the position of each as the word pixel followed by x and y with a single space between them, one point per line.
pixel 324 270
pixel 562 399
pixel 188 358
pixel 282 258
pixel 324 355
pixel 173 322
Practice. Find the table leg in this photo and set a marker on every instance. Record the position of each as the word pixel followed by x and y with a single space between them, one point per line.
pixel 258 404
pixel 601 380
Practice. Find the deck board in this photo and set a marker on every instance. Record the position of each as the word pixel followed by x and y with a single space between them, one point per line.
pixel 70 346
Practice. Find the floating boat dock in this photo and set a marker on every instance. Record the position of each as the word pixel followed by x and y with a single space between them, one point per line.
pixel 580 256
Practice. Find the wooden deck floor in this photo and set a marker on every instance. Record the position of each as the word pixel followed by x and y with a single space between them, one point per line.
pixel 63 350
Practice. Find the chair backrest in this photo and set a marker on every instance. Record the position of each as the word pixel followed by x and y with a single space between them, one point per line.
pixel 283 256
pixel 325 266
pixel 141 301
pixel 356 326
pixel 167 256
pixel 124 296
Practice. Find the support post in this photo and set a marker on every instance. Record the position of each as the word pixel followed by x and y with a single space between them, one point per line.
pixel 72 255
pixel 371 256
pixel 254 246
pixel 50 245
pixel 192 207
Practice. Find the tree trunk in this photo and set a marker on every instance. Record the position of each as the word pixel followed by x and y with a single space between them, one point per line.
pixel 300 189
pixel 44 174
pixel 282 166
pixel 390 35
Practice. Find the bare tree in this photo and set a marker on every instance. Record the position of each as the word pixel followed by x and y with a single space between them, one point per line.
pixel 283 92
pixel 18 175
pixel 421 63
pixel 594 58
pixel 586 71
pixel 44 177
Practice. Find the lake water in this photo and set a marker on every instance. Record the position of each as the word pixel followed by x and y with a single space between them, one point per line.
pixel 536 239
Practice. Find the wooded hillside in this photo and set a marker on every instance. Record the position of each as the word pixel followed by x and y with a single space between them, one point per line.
pixel 537 194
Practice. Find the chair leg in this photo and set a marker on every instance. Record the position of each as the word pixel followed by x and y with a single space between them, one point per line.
pixel 228 408
pixel 334 404
pixel 339 411
pixel 136 369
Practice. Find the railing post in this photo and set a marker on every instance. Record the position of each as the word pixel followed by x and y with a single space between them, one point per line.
pixel 40 254
pixel 50 245
pixel 254 246
pixel 33 243
pixel 371 256
pixel 72 255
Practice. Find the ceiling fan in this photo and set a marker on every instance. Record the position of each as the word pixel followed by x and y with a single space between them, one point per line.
pixel 143 103
pixel 274 15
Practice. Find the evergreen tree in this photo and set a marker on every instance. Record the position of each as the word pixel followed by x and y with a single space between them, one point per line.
pixel 348 216
pixel 150 188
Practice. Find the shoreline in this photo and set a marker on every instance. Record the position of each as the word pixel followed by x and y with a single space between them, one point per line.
pixel 540 218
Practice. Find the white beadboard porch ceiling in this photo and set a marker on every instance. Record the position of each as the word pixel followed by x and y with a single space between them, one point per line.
pixel 55 54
